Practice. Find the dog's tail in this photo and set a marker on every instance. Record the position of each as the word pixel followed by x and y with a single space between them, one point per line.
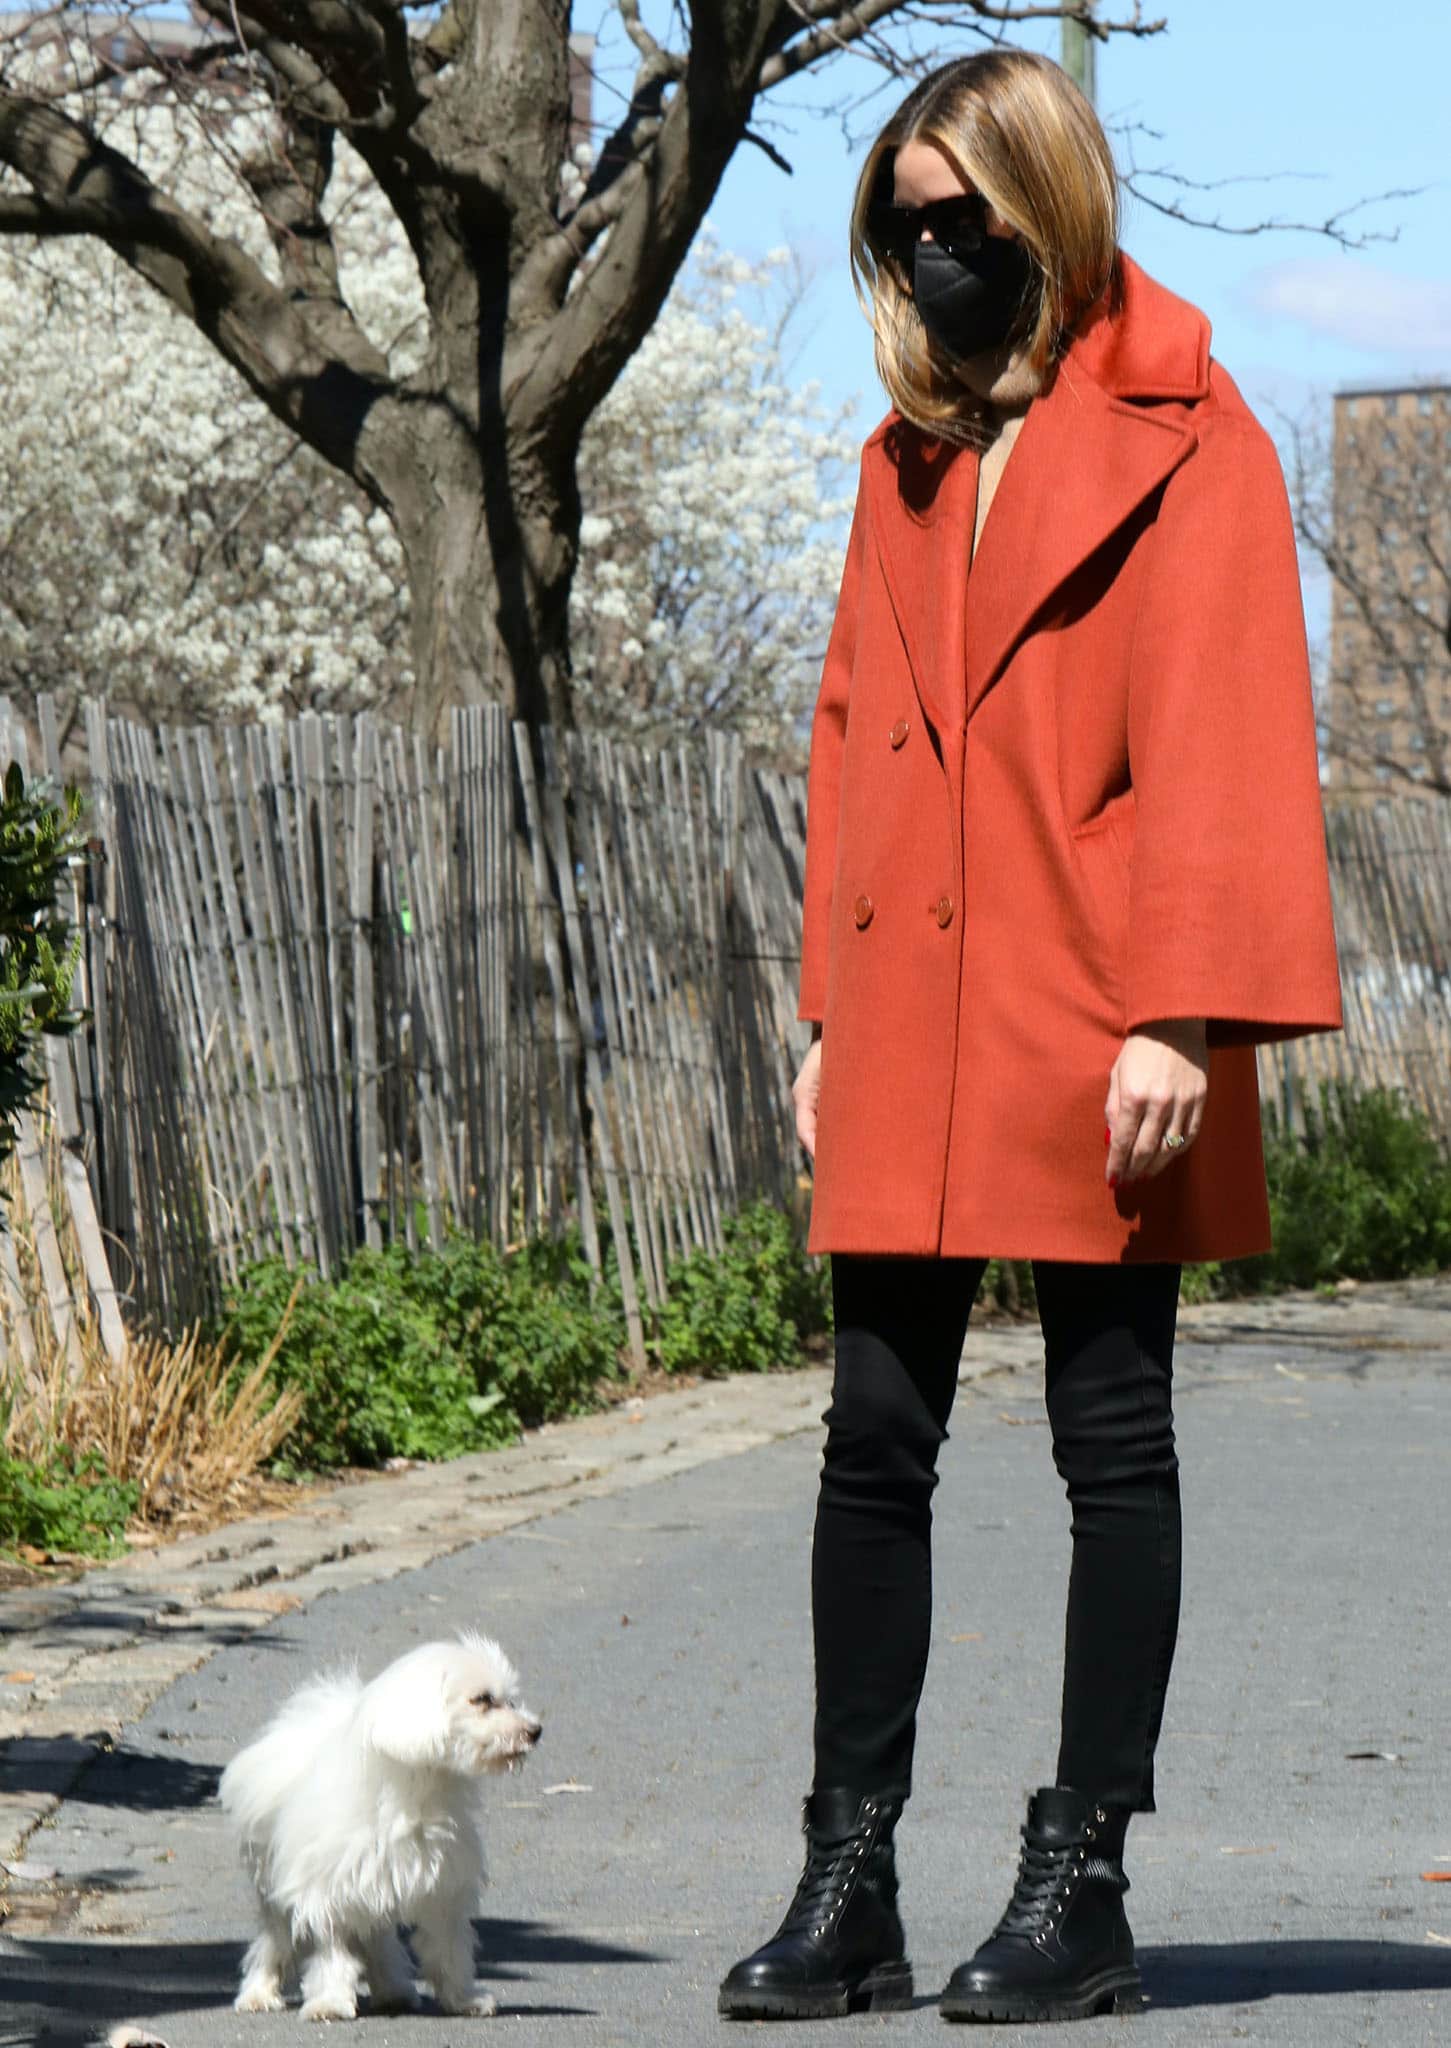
pixel 308 1720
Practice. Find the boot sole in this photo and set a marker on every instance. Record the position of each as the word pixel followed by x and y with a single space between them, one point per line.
pixel 888 1988
pixel 1111 1991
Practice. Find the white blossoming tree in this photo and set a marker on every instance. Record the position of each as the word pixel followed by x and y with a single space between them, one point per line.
pixel 168 544
pixel 536 280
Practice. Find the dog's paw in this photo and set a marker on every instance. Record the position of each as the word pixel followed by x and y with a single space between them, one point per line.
pixel 483 2007
pixel 259 1998
pixel 328 2005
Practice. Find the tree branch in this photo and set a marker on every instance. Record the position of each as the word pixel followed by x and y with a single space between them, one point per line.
pixel 1331 226
pixel 80 185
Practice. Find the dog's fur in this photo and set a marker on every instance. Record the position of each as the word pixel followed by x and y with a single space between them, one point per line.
pixel 357 1809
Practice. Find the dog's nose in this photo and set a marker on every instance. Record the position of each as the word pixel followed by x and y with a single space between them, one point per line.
pixel 534 1734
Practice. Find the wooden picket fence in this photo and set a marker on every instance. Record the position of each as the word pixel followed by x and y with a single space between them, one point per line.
pixel 1390 874
pixel 346 989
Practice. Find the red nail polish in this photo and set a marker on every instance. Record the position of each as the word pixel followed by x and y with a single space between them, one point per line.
pixel 1107 1135
pixel 1113 1180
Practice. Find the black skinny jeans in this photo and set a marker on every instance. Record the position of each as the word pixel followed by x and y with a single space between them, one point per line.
pixel 1108 1334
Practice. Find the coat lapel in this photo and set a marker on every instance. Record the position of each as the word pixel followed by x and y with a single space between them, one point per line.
pixel 1082 465
pixel 924 502
pixel 1086 459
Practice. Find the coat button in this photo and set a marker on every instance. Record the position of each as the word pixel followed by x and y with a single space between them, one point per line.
pixel 944 910
pixel 863 911
pixel 899 732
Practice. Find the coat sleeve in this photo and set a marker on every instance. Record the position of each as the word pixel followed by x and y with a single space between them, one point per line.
pixel 1229 895
pixel 823 779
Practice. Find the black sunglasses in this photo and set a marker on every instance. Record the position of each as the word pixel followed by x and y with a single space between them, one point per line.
pixel 959 224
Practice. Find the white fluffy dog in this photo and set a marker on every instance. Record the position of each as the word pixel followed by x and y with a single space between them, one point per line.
pixel 357 1809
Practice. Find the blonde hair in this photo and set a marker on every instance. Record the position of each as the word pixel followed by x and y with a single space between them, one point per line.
pixel 1017 126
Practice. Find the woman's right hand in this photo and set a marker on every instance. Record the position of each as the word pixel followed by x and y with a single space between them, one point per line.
pixel 805 1090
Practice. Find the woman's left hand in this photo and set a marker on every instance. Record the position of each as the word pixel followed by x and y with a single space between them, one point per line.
pixel 1156 1089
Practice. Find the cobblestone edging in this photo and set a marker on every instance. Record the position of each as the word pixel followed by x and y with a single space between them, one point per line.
pixel 79 1661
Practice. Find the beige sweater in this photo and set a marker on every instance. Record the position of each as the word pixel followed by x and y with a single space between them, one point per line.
pixel 991 465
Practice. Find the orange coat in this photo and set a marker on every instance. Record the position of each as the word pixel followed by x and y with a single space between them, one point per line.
pixel 1057 799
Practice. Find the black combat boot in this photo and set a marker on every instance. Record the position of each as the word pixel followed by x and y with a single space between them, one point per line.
pixel 840 1947
pixel 1062 1949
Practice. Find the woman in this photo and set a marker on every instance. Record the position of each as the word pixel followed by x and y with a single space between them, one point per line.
pixel 1065 867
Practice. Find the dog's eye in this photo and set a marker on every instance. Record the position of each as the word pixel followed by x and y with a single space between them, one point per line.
pixel 485 1700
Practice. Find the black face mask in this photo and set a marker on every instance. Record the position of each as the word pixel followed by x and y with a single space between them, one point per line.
pixel 969 302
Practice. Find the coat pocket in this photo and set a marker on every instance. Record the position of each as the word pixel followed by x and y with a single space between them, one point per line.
pixel 1102 851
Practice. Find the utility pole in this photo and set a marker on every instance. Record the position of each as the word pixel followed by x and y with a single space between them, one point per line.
pixel 1078 52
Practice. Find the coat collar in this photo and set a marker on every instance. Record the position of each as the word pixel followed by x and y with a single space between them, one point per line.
pixel 1093 446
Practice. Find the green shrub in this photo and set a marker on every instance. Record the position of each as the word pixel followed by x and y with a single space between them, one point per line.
pixel 39 953
pixel 378 1373
pixel 1365 1193
pixel 748 1308
pixel 526 1323
pixel 68 1503
pixel 426 1356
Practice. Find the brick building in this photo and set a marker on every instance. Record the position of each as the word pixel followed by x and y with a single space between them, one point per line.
pixel 1388 707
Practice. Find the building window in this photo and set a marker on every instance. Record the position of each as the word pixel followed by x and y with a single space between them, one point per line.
pixel 1382 773
pixel 1350 407
pixel 1384 706
pixel 1424 402
pixel 1392 404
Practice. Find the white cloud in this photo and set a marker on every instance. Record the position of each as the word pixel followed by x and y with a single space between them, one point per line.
pixel 1353 302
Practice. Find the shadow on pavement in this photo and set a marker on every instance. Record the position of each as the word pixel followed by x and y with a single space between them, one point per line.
pixel 1238 1972
pixel 529 1942
pixel 57 1984
pixel 71 1988
pixel 114 1775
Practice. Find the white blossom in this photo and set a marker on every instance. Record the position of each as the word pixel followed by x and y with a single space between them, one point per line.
pixel 169 545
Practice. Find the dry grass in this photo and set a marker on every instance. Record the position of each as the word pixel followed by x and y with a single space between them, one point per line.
pixel 163 1415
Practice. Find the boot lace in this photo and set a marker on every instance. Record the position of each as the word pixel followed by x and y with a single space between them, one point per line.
pixel 1043 1869
pixel 831 1863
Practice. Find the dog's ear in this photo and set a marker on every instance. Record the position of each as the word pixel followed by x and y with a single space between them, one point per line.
pixel 405 1716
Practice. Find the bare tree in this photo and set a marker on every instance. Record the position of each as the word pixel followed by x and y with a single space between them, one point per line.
pixel 537 292
pixel 1372 506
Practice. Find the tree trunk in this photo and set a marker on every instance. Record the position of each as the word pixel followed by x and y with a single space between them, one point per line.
pixel 490 538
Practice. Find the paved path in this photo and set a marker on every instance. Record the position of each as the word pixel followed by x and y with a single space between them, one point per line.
pixel 649 1575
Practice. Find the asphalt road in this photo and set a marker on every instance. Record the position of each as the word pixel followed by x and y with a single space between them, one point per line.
pixel 1277 1895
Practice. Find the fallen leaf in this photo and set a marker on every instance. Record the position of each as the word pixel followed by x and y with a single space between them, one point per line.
pixel 624 1621
pixel 975 1637
pixel 1003 1416
pixel 18 1678
pixel 1290 1374
pixel 1390 1756
pixel 28 1553
pixel 1441 1940
pixel 568 1785
pixel 1249 1849
pixel 1437 1876
pixel 32 1873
